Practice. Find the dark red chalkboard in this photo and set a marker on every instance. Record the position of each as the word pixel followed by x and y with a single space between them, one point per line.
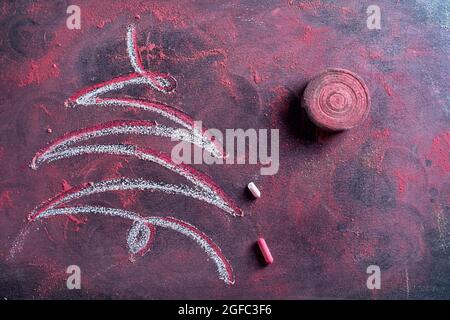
pixel 377 194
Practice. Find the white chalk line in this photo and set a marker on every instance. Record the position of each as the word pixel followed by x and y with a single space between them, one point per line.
pixel 89 133
pixel 162 84
pixel 130 150
pixel 124 184
pixel 224 268
pixel 131 49
pixel 201 139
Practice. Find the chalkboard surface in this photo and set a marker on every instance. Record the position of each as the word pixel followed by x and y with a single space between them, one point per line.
pixel 86 116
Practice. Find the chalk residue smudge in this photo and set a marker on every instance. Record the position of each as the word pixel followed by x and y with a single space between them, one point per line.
pixel 18 243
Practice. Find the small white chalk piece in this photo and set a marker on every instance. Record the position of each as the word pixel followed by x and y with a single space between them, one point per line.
pixel 254 190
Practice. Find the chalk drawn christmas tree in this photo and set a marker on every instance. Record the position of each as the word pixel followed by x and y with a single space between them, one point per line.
pixel 143 228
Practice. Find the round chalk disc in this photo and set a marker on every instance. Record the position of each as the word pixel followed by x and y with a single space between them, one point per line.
pixel 337 100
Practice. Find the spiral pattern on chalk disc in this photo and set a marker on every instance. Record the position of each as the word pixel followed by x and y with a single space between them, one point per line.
pixel 337 100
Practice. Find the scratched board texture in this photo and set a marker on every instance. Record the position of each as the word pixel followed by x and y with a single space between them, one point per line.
pixel 374 195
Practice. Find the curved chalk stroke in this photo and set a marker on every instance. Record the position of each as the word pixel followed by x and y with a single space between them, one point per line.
pixel 133 51
pixel 213 251
pixel 116 127
pixel 167 112
pixel 191 174
pixel 124 184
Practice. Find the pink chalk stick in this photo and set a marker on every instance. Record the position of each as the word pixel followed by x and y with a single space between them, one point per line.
pixel 265 251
